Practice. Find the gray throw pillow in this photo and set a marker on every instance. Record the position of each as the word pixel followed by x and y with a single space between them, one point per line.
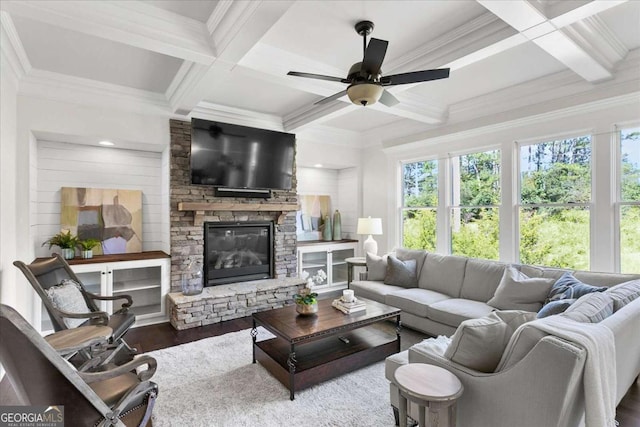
pixel 591 308
pixel 67 297
pixel 517 291
pixel 624 293
pixel 376 266
pixel 401 273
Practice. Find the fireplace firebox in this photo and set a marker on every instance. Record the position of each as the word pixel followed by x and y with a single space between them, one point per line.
pixel 237 251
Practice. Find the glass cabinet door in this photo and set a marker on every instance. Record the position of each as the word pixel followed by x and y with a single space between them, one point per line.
pixel 143 284
pixel 339 265
pixel 315 264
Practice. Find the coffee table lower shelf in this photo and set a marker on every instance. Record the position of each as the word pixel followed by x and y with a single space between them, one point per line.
pixel 325 358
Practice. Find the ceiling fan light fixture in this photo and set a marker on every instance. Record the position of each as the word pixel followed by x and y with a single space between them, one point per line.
pixel 364 93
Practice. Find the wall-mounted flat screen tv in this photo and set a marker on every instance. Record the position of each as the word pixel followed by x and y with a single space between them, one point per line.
pixel 227 155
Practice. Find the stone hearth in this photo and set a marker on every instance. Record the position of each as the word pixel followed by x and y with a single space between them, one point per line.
pixel 225 302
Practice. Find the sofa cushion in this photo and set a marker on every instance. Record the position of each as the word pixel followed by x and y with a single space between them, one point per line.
pixel 376 266
pixel 624 293
pixel 401 273
pixel 415 300
pixel 454 311
pixel 554 273
pixel 479 343
pixel 481 278
pixel 531 270
pixel 418 255
pixel 568 287
pixel 443 274
pixel 555 307
pixel 393 362
pixel 517 291
pixel 604 279
pixel 591 308
pixel 376 291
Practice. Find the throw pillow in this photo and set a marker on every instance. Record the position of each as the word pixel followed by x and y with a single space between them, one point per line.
pixel 517 291
pixel 67 297
pixel 591 308
pixel 568 287
pixel 624 293
pixel 418 254
pixel 376 266
pixel 401 273
pixel 555 307
pixel 479 343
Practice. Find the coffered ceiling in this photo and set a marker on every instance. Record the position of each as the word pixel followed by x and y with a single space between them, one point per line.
pixel 196 57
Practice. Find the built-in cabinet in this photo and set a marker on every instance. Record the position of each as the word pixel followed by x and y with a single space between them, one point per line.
pixel 145 277
pixel 325 263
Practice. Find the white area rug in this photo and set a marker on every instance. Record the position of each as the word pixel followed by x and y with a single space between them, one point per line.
pixel 213 383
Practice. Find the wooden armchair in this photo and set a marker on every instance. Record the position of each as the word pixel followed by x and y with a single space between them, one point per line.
pixel 50 273
pixel 40 376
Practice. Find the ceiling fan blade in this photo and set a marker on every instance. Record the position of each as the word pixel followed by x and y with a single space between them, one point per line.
pixel 374 55
pixel 388 99
pixel 317 76
pixel 415 77
pixel 332 97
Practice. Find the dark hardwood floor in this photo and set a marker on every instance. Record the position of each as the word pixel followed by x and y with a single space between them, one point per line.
pixel 156 337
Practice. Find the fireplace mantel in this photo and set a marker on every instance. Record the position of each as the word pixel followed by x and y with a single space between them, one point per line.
pixel 199 208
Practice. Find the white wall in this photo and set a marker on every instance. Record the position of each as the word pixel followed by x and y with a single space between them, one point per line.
pixel 382 167
pixel 73 165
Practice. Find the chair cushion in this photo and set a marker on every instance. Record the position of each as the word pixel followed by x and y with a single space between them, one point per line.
pixel 517 291
pixel 112 390
pixel 568 287
pixel 120 323
pixel 443 273
pixel 479 343
pixel 591 308
pixel 414 300
pixel 454 311
pixel 376 291
pixel 376 266
pixel 418 255
pixel 624 293
pixel 401 273
pixel 481 279
pixel 555 307
pixel 67 296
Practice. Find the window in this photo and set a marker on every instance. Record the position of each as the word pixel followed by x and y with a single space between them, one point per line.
pixel 555 193
pixel 419 204
pixel 475 204
pixel 630 200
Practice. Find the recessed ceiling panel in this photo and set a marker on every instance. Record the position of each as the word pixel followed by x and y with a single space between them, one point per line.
pixel 68 52
pixel 362 120
pixel 194 9
pixel 508 68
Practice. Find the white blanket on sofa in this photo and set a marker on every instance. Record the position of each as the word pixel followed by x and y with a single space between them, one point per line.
pixel 600 366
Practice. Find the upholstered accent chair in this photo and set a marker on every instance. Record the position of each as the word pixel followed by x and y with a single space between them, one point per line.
pixel 70 305
pixel 115 396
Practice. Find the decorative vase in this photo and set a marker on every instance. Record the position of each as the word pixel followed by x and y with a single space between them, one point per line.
pixel 337 226
pixel 193 279
pixel 87 254
pixel 68 253
pixel 307 309
pixel 326 228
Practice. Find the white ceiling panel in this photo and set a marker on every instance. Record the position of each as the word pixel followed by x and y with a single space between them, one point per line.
pixel 199 10
pixel 62 51
pixel 624 22
pixel 362 120
pixel 516 65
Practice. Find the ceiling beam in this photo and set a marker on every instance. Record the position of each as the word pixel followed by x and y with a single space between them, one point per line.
pixel 133 23
pixel 547 32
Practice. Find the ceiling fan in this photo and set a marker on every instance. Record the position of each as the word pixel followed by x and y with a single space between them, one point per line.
pixel 365 79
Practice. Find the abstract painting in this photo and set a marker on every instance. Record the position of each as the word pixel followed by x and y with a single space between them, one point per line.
pixel 313 210
pixel 112 216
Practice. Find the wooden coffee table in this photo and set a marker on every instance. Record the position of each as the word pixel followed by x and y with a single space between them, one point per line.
pixel 308 350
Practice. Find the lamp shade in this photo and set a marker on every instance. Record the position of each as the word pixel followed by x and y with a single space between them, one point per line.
pixel 369 226
pixel 364 93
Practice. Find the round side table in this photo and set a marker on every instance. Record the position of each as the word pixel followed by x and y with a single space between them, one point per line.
pixel 428 386
pixel 351 262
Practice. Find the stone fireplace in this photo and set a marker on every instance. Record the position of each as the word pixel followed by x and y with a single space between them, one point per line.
pixel 193 206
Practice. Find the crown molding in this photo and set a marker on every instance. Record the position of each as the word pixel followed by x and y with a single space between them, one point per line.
pixel 411 143
pixel 227 20
pixel 216 112
pixel 313 114
pixel 130 22
pixel 77 90
pixel 594 36
pixel 188 77
pixel 12 47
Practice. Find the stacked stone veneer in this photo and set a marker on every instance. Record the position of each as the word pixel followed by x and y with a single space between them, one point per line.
pixel 226 302
pixel 187 238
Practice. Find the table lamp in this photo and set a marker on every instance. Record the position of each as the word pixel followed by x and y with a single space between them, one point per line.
pixel 370 226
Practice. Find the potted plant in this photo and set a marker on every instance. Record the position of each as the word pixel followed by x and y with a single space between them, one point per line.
pixel 306 302
pixel 65 241
pixel 87 246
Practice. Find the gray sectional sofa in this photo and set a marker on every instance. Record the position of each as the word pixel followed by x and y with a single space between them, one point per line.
pixel 451 289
